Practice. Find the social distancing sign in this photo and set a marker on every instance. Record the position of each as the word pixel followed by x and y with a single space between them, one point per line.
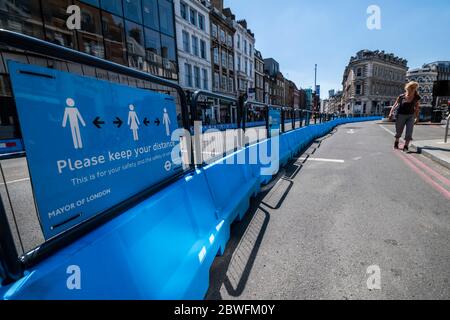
pixel 90 144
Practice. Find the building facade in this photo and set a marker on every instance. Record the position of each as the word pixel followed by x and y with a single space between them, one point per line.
pixel 194 44
pixel 334 104
pixel 276 82
pixel 372 81
pixel 309 99
pixel 244 44
pixel 222 51
pixel 442 68
pixel 266 88
pixel 426 77
pixel 292 94
pixel 259 77
pixel 135 33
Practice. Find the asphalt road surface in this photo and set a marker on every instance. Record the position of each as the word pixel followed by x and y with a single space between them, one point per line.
pixel 353 205
pixel 422 131
pixel 24 221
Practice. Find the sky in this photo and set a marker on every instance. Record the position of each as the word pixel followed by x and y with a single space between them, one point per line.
pixel 301 33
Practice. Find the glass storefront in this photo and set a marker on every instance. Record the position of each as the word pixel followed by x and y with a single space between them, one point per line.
pixel 136 33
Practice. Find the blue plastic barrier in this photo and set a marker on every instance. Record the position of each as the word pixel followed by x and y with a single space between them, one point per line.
pixel 227 178
pixel 163 247
pixel 11 146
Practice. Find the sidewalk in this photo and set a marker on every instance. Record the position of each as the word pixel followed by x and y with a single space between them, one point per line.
pixel 434 149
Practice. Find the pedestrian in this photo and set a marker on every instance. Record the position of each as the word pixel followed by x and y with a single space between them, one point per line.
pixel 406 109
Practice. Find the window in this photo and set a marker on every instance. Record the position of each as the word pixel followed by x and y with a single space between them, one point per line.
pixel 197 77
pixel 55 22
pixel 230 84
pixel 205 79
pixel 229 40
pixel 214 31
pixel 153 45
pixel 216 55
pixel 91 2
pixel 168 48
pixel 250 50
pixel 203 49
pixel 193 16
pixel 113 6
pixel 166 17
pixel 132 10
pixel 113 29
pixel 188 75
pixel 135 44
pixel 183 10
pixel 251 69
pixel 22 16
pixel 224 83
pixel 90 38
pixel 245 46
pixel 358 89
pixel 195 46
pixel 238 41
pixel 201 22
pixel 216 81
pixel 150 12
pixel 230 62
pixel 222 36
pixel 239 63
pixel 246 66
pixel 224 59
pixel 186 42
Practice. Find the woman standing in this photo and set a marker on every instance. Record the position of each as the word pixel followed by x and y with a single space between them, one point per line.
pixel 407 109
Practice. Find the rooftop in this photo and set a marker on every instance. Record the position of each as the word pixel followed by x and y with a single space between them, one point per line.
pixel 382 55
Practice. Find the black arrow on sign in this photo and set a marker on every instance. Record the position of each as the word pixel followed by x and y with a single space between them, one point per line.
pixel 118 122
pixel 97 122
pixel 146 122
pixel 157 122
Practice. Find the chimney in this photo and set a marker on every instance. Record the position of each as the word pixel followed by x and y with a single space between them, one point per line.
pixel 218 4
pixel 243 23
pixel 227 13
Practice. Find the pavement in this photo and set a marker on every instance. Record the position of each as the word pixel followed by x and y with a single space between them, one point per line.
pixel 437 150
pixel 350 204
pixel 428 140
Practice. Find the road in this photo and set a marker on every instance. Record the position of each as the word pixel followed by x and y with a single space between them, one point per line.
pixel 422 132
pixel 26 223
pixel 349 203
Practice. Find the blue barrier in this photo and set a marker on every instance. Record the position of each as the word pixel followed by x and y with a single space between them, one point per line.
pixel 226 178
pixel 162 248
pixel 11 146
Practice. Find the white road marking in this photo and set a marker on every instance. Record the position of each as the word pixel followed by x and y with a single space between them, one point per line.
pixel 357 158
pixel 323 160
pixel 387 130
pixel 351 131
pixel 15 181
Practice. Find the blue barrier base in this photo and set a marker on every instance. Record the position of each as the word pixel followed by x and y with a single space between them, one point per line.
pixel 163 248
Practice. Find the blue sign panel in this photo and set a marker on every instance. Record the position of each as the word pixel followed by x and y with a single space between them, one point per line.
pixel 90 144
pixel 274 119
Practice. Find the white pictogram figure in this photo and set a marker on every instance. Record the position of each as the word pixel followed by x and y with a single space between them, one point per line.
pixel 72 114
pixel 166 122
pixel 133 122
